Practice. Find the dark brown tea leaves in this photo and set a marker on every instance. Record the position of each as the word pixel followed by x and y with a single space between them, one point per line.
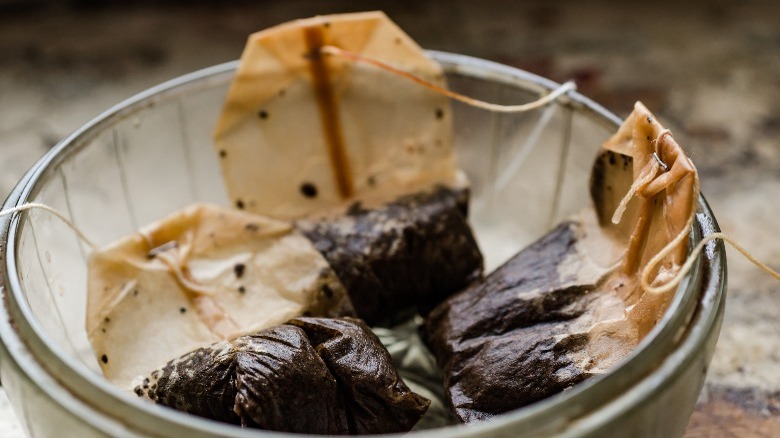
pixel 310 375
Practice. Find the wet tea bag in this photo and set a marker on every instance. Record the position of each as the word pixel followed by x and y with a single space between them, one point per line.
pixel 577 301
pixel 653 218
pixel 208 273
pixel 342 147
pixel 402 257
pixel 312 138
pixel 302 131
pixel 200 275
pixel 309 375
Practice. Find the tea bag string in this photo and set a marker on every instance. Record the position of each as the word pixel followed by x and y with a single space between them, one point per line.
pixel 173 263
pixel 494 107
pixel 213 315
pixel 671 284
pixel 60 216
pixel 647 174
pixel 335 51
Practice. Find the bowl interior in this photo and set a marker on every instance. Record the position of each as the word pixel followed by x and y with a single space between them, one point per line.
pixel 154 154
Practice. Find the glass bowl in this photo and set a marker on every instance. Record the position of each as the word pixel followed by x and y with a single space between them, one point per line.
pixel 153 154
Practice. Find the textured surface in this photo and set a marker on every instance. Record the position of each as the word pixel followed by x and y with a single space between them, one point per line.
pixel 513 338
pixel 376 399
pixel 412 252
pixel 310 375
pixel 708 69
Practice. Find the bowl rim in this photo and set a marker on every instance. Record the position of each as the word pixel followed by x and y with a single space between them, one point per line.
pixel 67 380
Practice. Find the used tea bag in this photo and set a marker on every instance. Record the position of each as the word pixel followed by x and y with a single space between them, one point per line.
pixel 402 257
pixel 573 304
pixel 321 131
pixel 362 159
pixel 309 375
pixel 200 275
pixel 504 342
pixel 208 273
pixel 354 157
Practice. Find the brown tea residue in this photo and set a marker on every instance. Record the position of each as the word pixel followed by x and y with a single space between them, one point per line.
pixel 329 112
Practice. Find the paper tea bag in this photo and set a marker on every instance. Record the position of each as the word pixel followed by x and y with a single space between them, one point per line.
pixel 655 225
pixel 309 375
pixel 302 131
pixel 208 273
pixel 572 305
pixel 362 159
pixel 201 275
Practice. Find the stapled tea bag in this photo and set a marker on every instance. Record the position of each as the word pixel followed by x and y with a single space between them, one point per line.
pixel 577 301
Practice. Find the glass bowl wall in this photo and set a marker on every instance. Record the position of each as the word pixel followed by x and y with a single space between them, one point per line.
pixel 154 154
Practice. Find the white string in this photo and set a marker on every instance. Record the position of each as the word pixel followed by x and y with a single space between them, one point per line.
pixel 35 205
pixel 542 101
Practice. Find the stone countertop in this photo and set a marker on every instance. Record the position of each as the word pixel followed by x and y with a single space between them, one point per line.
pixel 709 70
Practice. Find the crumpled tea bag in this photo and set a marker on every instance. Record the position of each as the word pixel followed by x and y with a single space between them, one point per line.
pixel 303 136
pixel 573 304
pixel 200 275
pixel 207 273
pixel 309 375
pixel 400 258
pixel 302 131
pixel 504 342
pixel 648 202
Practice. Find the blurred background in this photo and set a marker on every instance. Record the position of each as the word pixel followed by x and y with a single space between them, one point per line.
pixel 710 70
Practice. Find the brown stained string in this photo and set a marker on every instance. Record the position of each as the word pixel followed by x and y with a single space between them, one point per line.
pixel 544 100
pixel 671 284
pixel 646 175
